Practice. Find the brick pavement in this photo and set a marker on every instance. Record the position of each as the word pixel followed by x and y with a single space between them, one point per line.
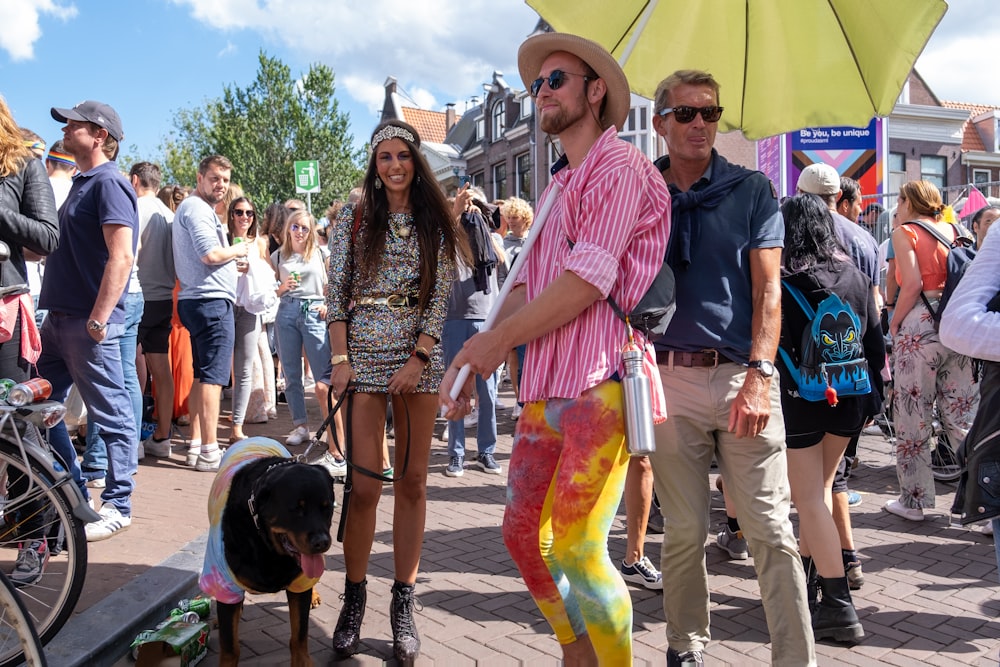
pixel 930 593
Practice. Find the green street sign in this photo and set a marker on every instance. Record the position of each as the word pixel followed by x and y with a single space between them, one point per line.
pixel 307 176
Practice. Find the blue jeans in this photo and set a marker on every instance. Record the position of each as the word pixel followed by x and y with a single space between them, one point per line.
pixel 95 456
pixel 996 540
pixel 456 332
pixel 71 356
pixel 298 328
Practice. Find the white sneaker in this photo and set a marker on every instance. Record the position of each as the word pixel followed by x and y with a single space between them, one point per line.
pixel 472 418
pixel 333 466
pixel 208 461
pixel 515 414
pixel 192 456
pixel 111 522
pixel 142 452
pixel 988 528
pixel 158 449
pixel 298 435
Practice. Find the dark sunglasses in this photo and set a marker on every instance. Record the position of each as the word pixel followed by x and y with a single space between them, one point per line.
pixel 239 213
pixel 555 80
pixel 686 114
pixel 299 228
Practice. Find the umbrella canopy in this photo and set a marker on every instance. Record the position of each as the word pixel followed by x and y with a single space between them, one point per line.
pixel 782 64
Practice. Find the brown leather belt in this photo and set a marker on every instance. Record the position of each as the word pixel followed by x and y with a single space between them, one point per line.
pixel 702 359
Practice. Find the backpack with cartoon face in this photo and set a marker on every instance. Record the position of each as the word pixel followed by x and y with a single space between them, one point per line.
pixel 831 357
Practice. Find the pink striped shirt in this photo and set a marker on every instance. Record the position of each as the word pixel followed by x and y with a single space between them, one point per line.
pixel 615 208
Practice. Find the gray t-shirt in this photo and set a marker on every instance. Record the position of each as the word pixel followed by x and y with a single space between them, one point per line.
pixel 860 245
pixel 312 274
pixel 467 303
pixel 196 231
pixel 156 256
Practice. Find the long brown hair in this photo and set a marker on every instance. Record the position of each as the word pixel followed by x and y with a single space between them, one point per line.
pixel 13 153
pixel 432 218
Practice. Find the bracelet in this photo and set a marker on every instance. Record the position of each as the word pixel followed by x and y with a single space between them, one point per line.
pixel 891 305
pixel 422 354
pixel 338 359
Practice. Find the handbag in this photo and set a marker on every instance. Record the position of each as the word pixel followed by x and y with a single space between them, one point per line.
pixel 255 289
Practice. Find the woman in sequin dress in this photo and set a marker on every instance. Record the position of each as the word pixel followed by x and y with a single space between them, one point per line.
pixel 391 269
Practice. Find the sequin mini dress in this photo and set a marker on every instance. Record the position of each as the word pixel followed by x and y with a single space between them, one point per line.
pixel 380 338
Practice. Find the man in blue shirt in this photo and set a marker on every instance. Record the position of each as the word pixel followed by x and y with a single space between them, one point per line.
pixel 84 292
pixel 716 363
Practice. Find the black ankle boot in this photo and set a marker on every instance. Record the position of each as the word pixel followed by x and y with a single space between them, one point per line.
pixel 347 635
pixel 405 640
pixel 812 585
pixel 835 617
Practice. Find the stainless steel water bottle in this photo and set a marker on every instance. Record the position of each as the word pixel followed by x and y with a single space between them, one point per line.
pixel 638 403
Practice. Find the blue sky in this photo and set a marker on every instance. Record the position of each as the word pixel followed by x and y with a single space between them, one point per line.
pixel 149 58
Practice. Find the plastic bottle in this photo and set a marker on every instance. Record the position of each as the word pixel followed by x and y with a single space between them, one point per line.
pixel 29 391
pixel 638 402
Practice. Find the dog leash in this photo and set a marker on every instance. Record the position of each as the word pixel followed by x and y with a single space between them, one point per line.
pixel 352 467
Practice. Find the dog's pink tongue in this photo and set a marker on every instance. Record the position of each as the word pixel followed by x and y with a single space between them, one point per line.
pixel 313 565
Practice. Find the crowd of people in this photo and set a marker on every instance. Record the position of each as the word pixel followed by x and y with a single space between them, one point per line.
pixel 385 300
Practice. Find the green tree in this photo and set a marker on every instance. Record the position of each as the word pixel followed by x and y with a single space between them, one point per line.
pixel 263 129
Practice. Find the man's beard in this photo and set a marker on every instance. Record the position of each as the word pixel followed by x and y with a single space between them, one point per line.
pixel 555 123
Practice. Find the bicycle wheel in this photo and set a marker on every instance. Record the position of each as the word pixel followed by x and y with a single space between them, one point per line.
pixel 40 510
pixel 18 638
pixel 944 462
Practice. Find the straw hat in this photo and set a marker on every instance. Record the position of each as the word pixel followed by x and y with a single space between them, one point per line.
pixel 537 48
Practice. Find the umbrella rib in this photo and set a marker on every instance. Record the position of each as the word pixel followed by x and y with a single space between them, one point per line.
pixel 635 19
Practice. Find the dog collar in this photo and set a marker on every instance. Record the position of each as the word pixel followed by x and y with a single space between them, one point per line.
pixel 251 501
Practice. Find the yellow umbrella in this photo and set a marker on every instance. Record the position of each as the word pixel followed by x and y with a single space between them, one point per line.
pixel 782 64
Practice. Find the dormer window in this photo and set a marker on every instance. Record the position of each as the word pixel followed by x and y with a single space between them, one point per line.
pixel 498 120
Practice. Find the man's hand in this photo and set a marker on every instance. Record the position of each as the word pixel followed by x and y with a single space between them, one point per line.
pixel 751 410
pixel 484 353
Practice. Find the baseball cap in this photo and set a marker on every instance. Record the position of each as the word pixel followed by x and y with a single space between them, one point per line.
pixel 94 112
pixel 819 179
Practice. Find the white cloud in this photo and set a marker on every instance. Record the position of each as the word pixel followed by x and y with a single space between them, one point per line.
pixel 20 28
pixel 439 51
pixel 958 61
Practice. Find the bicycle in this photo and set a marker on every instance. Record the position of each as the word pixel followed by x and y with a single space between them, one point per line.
pixel 17 633
pixel 40 502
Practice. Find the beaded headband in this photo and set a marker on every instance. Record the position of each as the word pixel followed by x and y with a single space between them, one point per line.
pixel 391 132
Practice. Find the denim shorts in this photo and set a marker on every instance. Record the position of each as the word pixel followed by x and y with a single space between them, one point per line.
pixel 213 337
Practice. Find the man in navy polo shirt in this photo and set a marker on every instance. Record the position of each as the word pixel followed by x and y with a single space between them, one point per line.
pixel 84 292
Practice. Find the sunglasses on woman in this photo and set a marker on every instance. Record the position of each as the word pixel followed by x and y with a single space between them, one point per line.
pixel 241 212
pixel 685 114
pixel 299 228
pixel 555 80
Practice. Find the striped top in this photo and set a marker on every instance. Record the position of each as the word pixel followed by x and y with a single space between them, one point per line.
pixel 615 208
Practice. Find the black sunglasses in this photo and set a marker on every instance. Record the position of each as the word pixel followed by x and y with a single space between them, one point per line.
pixel 555 80
pixel 239 213
pixel 686 114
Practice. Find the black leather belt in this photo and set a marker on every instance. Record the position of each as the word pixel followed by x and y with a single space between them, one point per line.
pixel 702 359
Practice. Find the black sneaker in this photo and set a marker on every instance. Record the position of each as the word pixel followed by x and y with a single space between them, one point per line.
pixel 644 573
pixel 488 464
pixel 686 659
pixel 30 564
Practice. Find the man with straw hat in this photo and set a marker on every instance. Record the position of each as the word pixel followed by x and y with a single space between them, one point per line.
pixel 610 215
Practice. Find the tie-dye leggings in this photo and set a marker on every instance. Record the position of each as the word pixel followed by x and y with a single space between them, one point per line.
pixel 564 485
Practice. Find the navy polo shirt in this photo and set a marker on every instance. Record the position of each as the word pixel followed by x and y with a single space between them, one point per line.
pixel 74 271
pixel 714 299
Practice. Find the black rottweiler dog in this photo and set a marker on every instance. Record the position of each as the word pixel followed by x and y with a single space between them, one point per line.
pixel 275 530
